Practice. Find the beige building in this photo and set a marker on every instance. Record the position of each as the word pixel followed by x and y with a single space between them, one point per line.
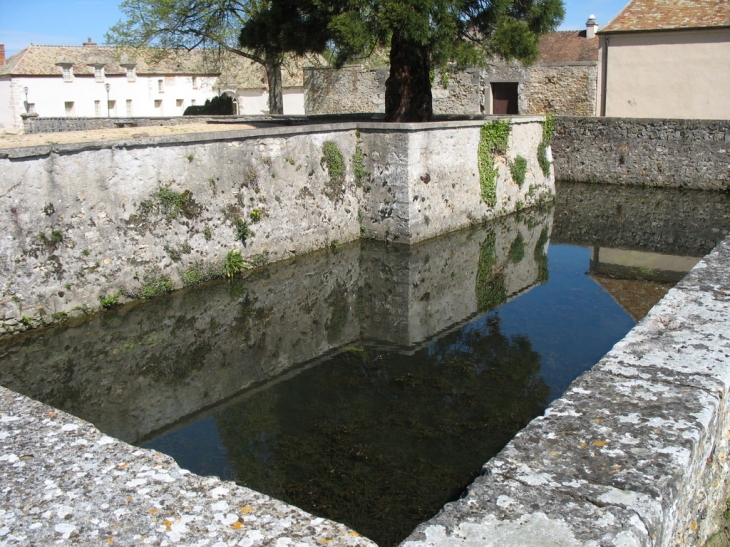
pixel 666 59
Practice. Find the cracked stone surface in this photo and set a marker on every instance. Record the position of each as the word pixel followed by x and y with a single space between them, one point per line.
pixel 63 482
pixel 634 453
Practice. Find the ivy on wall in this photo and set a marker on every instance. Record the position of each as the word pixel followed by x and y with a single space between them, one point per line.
pixel 548 131
pixel 493 139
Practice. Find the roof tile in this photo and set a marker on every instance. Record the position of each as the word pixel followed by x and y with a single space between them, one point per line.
pixel 646 15
pixel 567 46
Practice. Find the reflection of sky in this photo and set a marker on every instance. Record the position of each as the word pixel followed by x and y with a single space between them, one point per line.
pixel 571 321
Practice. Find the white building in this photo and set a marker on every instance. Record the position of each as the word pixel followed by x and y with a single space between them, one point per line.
pixel 98 81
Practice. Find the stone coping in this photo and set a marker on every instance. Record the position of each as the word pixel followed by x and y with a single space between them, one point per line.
pixel 633 454
pixel 64 482
pixel 258 133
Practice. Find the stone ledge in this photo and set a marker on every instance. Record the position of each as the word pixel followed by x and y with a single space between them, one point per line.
pixel 64 481
pixel 634 453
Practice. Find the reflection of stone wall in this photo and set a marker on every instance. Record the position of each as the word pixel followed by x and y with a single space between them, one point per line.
pixel 653 152
pixel 144 367
pixel 667 221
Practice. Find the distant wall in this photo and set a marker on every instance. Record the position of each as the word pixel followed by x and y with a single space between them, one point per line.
pixel 560 89
pixel 653 152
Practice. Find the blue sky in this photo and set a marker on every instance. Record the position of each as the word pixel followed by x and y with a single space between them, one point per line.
pixel 71 22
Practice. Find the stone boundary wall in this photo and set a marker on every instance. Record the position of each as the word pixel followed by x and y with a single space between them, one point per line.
pixel 32 124
pixel 557 88
pixel 85 223
pixel 649 152
pixel 635 453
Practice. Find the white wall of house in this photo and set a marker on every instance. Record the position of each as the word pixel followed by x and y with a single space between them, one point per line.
pixel 254 102
pixel 294 101
pixel 678 74
pixel 86 96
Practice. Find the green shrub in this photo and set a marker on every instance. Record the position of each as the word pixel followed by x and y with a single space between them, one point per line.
pixel 493 140
pixel 155 283
pixel 518 168
pixel 234 264
pixel 243 232
pixel 332 158
pixel 109 302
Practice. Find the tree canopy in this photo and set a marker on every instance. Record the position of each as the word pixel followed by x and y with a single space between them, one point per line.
pixel 213 25
pixel 422 34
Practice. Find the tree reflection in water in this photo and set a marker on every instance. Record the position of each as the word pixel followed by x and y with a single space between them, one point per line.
pixel 379 440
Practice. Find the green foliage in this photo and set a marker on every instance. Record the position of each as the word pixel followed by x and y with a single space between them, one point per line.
pixel 171 203
pixel 335 163
pixel 490 285
pixel 260 259
pixel 518 168
pixel 85 252
pixel 548 131
pixel 155 283
pixel 517 249
pixel 243 232
pixel 234 264
pixel 109 302
pixel 198 273
pixel 27 321
pixel 256 215
pixel 53 241
pixel 358 166
pixel 220 105
pixel 493 139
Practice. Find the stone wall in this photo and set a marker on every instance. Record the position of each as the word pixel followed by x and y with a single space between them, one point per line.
pixel 128 219
pixel 634 453
pixel 649 152
pixel 35 124
pixel 560 89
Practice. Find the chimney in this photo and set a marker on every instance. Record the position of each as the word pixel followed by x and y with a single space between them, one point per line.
pixel 89 43
pixel 2 54
pixel 591 27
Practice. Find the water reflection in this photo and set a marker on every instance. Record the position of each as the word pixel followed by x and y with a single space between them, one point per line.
pixel 140 370
pixel 370 384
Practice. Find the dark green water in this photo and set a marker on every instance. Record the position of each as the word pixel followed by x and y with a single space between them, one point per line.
pixel 370 384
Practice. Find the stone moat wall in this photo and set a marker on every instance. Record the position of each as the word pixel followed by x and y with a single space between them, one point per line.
pixel 649 152
pixel 84 223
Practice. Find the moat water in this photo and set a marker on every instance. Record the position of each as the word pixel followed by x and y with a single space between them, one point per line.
pixel 369 384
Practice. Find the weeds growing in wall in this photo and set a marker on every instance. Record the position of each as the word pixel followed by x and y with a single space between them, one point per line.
pixel 358 166
pixel 518 168
pixel 548 131
pixel 493 139
pixel 335 163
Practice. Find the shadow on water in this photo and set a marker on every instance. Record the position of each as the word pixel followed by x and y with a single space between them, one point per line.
pixel 370 384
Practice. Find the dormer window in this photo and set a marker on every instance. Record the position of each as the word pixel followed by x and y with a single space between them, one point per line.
pixel 131 71
pixel 99 73
pixel 67 69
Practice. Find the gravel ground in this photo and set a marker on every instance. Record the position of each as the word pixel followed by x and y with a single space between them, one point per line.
pixel 37 139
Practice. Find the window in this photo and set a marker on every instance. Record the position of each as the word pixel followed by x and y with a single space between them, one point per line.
pixel 161 86
pixel 112 106
pixel 97 108
pixel 131 74
pixel 68 108
pixel 195 82
pixel 99 73
pixel 68 72
pixel 192 101
pixel 158 107
pixel 179 103
pixel 129 108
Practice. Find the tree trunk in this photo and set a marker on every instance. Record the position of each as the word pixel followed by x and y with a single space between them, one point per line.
pixel 408 88
pixel 276 93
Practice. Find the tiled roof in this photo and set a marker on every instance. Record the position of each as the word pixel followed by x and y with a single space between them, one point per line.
pixel 233 70
pixel 44 61
pixel 646 15
pixel 567 46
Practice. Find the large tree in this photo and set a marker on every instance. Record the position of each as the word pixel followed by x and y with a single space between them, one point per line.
pixel 423 34
pixel 215 25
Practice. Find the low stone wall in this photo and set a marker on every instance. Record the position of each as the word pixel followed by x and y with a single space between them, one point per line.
pixel 131 219
pixel 636 451
pixel 649 152
pixel 34 124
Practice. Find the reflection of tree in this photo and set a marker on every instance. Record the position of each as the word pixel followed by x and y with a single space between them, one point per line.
pixel 381 441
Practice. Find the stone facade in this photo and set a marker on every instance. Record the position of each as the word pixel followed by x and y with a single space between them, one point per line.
pixel 544 88
pixel 651 152
pixel 86 221
pixel 35 124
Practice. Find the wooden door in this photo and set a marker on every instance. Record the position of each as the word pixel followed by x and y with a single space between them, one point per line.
pixel 504 98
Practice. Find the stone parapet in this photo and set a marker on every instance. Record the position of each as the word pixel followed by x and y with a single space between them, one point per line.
pixel 634 453
pixel 648 152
